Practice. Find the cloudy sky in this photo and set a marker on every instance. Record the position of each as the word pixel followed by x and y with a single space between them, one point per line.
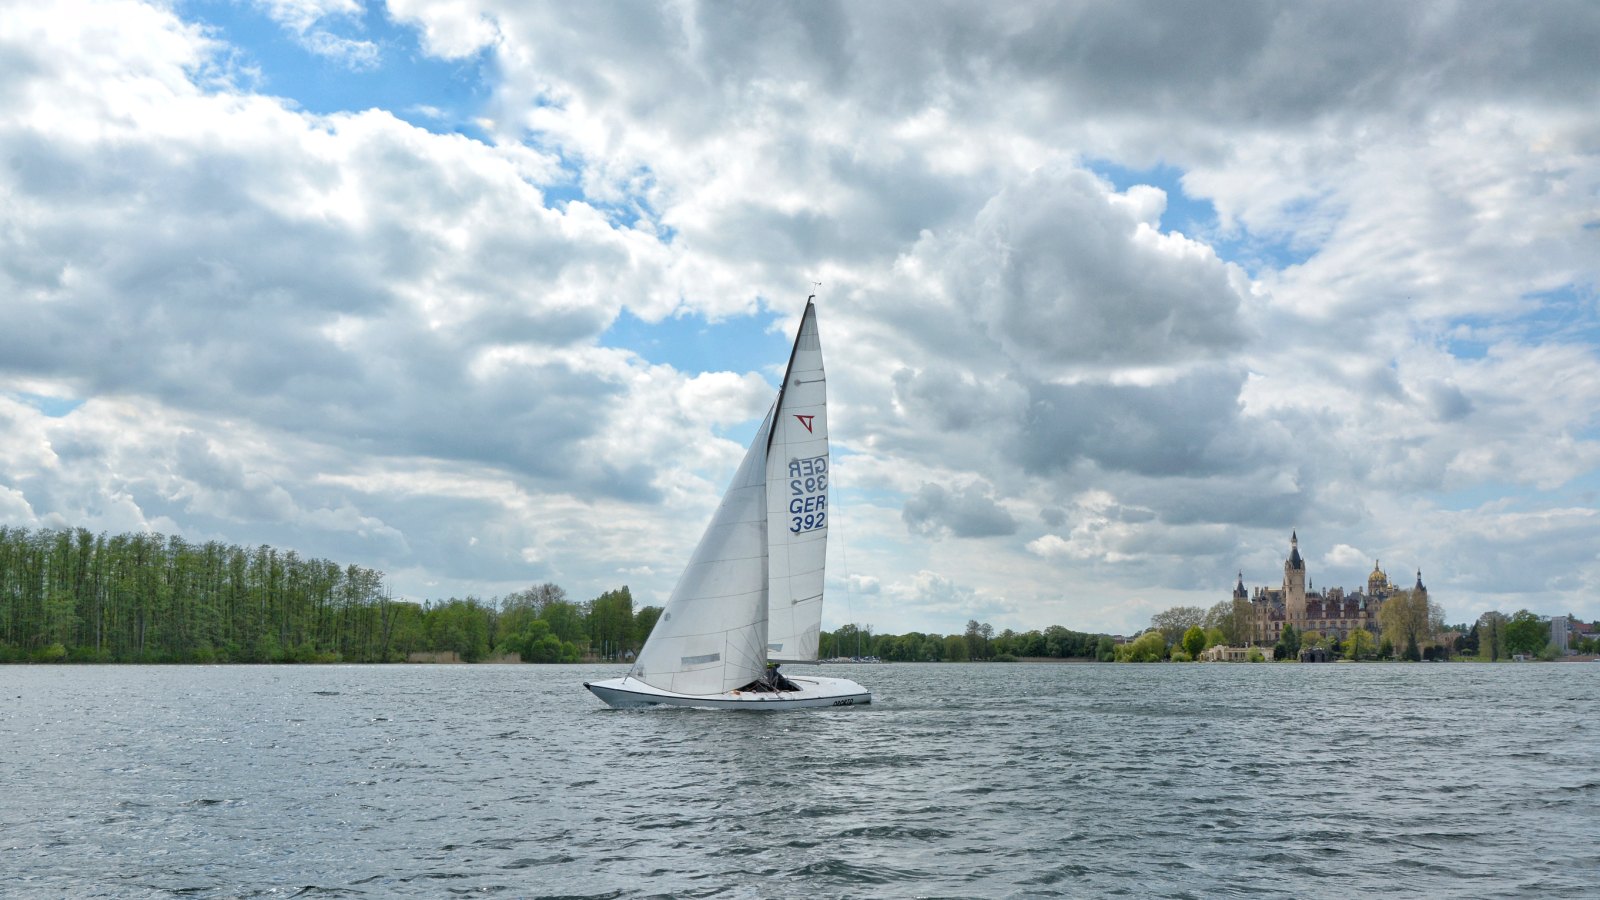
pixel 484 293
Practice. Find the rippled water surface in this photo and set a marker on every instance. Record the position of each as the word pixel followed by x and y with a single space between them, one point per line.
pixel 959 781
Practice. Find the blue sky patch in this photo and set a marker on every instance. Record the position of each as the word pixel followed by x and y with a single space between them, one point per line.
pixel 1196 218
pixel 692 344
pixel 441 96
pixel 1565 315
pixel 54 407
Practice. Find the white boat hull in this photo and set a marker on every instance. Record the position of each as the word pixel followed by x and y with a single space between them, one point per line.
pixel 815 691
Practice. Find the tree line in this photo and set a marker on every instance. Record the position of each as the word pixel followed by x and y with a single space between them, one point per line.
pixel 978 643
pixel 71 595
pixel 1496 636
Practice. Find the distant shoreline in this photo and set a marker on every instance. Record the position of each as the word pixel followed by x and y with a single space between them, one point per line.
pixel 443 658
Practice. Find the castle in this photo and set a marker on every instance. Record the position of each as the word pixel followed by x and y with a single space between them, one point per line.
pixel 1331 614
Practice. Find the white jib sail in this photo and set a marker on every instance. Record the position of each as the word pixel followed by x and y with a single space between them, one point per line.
pixel 712 634
pixel 798 471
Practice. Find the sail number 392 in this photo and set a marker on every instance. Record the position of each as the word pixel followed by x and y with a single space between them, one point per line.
pixel 808 494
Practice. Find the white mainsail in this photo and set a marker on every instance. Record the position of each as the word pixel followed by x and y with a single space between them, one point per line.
pixel 712 634
pixel 798 472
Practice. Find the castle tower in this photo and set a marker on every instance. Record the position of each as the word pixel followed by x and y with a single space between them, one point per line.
pixel 1239 593
pixel 1420 588
pixel 1294 585
pixel 1378 582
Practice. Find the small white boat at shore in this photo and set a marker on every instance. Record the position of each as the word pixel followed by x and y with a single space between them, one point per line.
pixel 752 592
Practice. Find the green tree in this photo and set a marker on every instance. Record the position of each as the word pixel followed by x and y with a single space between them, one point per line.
pixel 1105 649
pixel 955 649
pixel 461 627
pixel 1288 646
pixel 644 622
pixel 1194 641
pixel 1031 643
pixel 611 623
pixel 1147 647
pixel 1235 618
pixel 1410 619
pixel 1359 645
pixel 566 619
pixel 1492 635
pixel 978 639
pixel 1172 623
pixel 1526 633
pixel 537 643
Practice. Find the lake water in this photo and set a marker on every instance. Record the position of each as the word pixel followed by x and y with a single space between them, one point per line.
pixel 960 781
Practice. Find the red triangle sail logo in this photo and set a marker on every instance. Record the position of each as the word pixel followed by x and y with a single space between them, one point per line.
pixel 806 421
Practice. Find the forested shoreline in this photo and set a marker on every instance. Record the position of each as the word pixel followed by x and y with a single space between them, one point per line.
pixel 70 595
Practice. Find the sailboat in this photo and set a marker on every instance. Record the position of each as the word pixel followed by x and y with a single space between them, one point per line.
pixel 752 592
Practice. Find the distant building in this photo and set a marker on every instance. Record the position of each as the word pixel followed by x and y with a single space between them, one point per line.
pixel 1561 632
pixel 1333 613
pixel 1224 653
pixel 1582 630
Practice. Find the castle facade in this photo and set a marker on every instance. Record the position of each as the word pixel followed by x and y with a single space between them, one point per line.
pixel 1333 613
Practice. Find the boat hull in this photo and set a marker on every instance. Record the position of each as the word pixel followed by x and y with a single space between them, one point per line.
pixel 815 691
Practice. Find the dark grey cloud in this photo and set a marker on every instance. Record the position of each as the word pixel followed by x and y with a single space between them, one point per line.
pixel 1176 429
pixel 966 513
pixel 1192 426
pixel 950 398
pixel 1250 500
pixel 1247 65
pixel 1447 402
